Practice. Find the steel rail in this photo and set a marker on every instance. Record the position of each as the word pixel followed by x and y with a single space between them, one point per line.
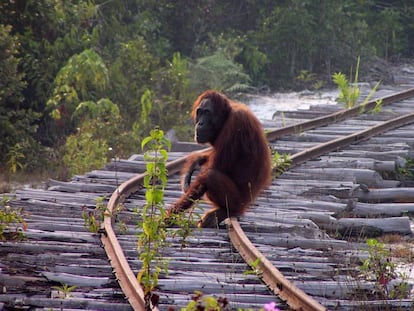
pixel 339 115
pixel 271 276
pixel 123 272
pixel 295 297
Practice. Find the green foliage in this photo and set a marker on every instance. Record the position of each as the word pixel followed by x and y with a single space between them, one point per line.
pixel 48 33
pixel 94 218
pixel 131 75
pixel 387 32
pixel 14 155
pixel 88 148
pixel 11 80
pixel 309 80
pixel 11 221
pixel 77 86
pixel 350 92
pixel 380 268
pixel 83 152
pixel 16 122
pixel 378 102
pixel 378 106
pixel 56 55
pixel 255 268
pixel 64 290
pixel 103 108
pixel 143 124
pixel 280 163
pixel 253 60
pixel 201 302
pixel 407 170
pixel 171 94
pixel 348 95
pixel 84 74
pixel 210 303
pixel 146 104
pixel 218 71
pixel 289 29
pixel 153 235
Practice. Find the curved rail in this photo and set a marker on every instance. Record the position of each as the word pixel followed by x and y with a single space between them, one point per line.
pixel 271 276
pixel 296 298
pixel 282 287
pixel 126 278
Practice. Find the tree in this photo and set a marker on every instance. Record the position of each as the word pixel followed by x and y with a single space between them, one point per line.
pixel 387 33
pixel 131 74
pixel 16 123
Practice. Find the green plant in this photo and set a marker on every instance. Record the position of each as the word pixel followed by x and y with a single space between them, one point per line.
pixel 99 127
pixel 309 79
pixel 350 92
pixel 64 290
pixel 131 73
pixel 18 123
pixel 84 74
pixel 14 155
pixel 378 102
pixel 153 235
pixel 407 170
pixel 218 71
pixel 280 163
pixel 380 268
pixel 12 222
pixel 378 106
pixel 186 223
pixel 201 302
pixel 82 152
pixel 171 98
pixel 94 218
pixel 255 268
pixel 210 303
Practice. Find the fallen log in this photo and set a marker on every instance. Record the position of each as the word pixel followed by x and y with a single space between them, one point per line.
pixel 55 185
pixel 367 227
pixel 357 163
pixel 380 209
pixel 359 176
pixel 77 280
pixel 403 195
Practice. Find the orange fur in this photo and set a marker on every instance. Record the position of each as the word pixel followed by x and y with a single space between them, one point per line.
pixel 236 170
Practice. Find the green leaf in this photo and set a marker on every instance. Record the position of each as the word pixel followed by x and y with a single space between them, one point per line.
pixel 164 154
pixel 210 302
pixel 372 242
pixel 149 196
pixel 158 196
pixel 255 263
pixel 150 166
pixel 145 141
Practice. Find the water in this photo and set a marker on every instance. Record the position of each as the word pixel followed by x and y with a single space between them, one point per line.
pixel 265 106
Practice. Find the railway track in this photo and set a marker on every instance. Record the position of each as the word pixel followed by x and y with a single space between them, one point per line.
pixel 295 297
pixel 306 232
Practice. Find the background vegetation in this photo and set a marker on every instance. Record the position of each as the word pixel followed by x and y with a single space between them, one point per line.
pixel 78 78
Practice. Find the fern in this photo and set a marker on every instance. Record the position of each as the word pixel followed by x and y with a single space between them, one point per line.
pixel 349 93
pixel 238 87
pixel 219 72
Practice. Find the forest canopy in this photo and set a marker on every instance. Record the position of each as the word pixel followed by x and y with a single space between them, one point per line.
pixel 82 81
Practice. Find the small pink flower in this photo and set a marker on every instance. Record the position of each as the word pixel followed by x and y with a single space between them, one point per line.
pixel 271 306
